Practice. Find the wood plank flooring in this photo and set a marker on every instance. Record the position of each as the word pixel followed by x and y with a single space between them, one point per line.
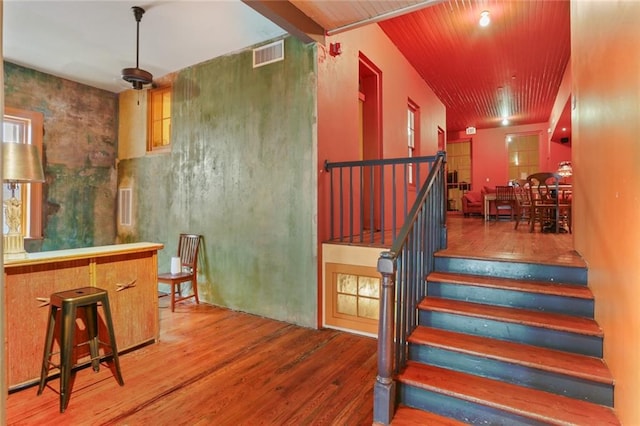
pixel 473 237
pixel 216 366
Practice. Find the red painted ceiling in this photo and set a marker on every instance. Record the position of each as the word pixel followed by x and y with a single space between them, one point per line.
pixel 513 67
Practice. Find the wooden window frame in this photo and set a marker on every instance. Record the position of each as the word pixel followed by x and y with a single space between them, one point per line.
pixel 517 168
pixel 413 139
pixel 156 113
pixel 32 226
pixel 333 318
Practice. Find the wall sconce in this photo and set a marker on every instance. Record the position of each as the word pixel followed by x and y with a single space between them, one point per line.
pixel 20 164
pixel 565 169
pixel 335 49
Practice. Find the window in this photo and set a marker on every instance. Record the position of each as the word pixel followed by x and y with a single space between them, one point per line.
pixel 523 154
pixel 352 296
pixel 458 172
pixel 159 119
pixel 21 126
pixel 413 119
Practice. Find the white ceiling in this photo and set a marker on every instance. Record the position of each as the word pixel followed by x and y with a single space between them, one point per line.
pixel 92 41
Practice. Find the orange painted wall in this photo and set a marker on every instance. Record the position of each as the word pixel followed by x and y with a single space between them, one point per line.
pixel 605 56
pixel 338 105
pixel 489 153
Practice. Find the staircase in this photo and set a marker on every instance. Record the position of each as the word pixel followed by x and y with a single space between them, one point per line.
pixel 505 343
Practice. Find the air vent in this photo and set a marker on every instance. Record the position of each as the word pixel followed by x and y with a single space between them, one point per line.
pixel 268 54
pixel 124 203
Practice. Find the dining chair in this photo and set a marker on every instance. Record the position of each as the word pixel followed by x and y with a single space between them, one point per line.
pixel 505 198
pixel 547 207
pixel 188 247
pixel 523 201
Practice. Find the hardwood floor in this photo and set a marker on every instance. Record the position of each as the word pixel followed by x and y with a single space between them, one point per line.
pixel 473 237
pixel 216 366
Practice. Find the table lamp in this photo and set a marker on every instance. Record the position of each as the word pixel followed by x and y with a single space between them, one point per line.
pixel 20 164
pixel 565 169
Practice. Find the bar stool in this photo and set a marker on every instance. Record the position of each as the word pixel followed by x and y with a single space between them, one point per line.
pixel 69 301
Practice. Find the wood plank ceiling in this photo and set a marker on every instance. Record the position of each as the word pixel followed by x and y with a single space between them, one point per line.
pixel 511 69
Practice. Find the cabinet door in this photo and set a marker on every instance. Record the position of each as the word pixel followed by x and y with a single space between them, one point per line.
pixel 134 308
pixel 27 315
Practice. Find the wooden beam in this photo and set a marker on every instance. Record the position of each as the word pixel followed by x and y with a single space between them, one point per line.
pixel 289 18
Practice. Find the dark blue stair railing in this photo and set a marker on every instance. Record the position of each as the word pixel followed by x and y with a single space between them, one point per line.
pixel 404 269
pixel 370 199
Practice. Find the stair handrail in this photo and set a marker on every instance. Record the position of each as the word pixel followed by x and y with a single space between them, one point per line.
pixel 369 199
pixel 407 263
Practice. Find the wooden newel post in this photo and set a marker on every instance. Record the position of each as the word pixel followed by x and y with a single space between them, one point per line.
pixel 384 390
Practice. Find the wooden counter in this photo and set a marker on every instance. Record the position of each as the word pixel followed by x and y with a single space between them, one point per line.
pixel 27 281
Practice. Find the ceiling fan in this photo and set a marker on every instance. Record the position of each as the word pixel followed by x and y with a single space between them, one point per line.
pixel 137 77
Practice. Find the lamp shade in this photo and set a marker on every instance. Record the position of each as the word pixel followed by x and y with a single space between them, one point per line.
pixel 21 163
pixel 565 169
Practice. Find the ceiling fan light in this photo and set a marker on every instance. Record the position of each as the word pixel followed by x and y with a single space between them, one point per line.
pixel 137 77
pixel 485 19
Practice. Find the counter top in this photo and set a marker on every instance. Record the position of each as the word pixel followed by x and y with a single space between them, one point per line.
pixel 81 253
pixel 30 280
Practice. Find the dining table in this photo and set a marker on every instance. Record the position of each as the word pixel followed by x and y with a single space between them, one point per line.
pixel 559 206
pixel 565 191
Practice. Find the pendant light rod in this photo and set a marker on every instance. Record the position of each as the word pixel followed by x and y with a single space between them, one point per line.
pixel 137 12
pixel 136 76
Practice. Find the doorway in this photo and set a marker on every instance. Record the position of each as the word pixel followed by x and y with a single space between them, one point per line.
pixel 370 83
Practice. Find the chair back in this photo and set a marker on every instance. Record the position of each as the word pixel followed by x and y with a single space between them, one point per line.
pixel 505 193
pixel 188 247
pixel 543 187
pixel 521 192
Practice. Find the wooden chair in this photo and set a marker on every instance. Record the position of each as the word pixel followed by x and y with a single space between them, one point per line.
pixel 523 201
pixel 188 246
pixel 547 208
pixel 505 198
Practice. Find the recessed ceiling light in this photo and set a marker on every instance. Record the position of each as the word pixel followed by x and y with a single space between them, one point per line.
pixel 505 121
pixel 484 18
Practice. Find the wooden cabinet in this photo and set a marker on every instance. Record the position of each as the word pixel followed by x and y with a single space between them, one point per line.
pixel 127 271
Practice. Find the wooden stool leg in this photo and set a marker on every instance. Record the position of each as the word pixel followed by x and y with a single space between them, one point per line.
pixel 91 312
pixel 66 344
pixel 48 345
pixel 112 339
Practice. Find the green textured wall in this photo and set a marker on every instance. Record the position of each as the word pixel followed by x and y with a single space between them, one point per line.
pixel 241 173
pixel 79 150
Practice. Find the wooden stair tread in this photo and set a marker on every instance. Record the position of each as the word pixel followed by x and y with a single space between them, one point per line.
pixel 530 286
pixel 560 322
pixel 530 403
pixel 407 416
pixel 575 365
